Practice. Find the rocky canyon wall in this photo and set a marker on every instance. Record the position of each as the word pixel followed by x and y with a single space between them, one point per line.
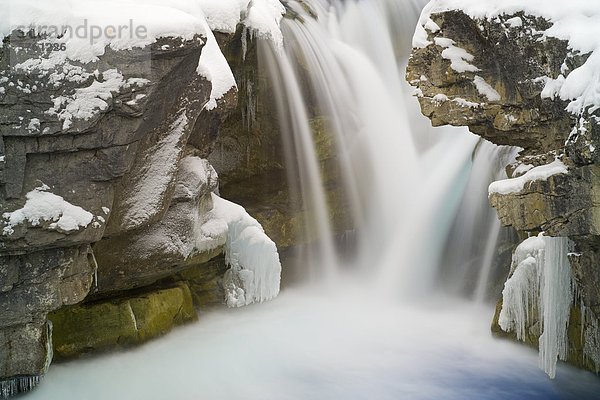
pixel 500 74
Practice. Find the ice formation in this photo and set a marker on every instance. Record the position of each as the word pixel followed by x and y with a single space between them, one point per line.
pixel 21 384
pixel 540 289
pixel 255 271
pixel 43 206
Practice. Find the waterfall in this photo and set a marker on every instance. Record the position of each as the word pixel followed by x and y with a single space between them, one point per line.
pixel 471 253
pixel 404 181
pixel 418 201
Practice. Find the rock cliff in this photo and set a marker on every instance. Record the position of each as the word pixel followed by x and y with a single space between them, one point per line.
pixel 109 231
pixel 507 75
pixel 77 143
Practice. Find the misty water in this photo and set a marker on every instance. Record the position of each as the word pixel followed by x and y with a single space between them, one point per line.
pixel 312 343
pixel 407 315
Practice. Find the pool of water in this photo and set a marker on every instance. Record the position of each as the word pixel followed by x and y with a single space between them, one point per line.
pixel 317 344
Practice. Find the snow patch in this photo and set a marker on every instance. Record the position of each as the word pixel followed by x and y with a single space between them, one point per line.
pixel 522 168
pixel 214 67
pixel 87 101
pixel 34 125
pixel 485 89
pixel 459 58
pixel 443 42
pixel 224 15
pixel 440 98
pixel 42 206
pixel 420 38
pixel 465 103
pixel 541 173
pixel 514 22
pixel 552 87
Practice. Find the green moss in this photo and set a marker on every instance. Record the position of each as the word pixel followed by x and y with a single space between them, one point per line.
pixel 123 322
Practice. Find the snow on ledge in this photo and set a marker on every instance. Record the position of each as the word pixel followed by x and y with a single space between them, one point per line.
pixel 541 173
pixel 149 19
pixel 263 20
pixel 255 270
pixel 42 206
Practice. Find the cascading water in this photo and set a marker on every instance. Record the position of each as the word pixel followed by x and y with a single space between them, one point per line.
pixel 472 255
pixel 416 194
pixel 404 181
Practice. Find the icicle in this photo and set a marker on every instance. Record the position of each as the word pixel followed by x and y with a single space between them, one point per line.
pixel 19 384
pixel 247 34
pixel 541 281
pixel 250 104
pixel 519 298
pixel 92 260
pixel 520 294
pixel 556 298
pixel 582 311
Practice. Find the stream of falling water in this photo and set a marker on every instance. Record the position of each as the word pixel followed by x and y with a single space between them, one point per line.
pixel 404 181
pixel 398 321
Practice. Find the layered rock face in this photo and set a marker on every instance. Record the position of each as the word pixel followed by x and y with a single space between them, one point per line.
pixel 106 197
pixel 501 75
pixel 95 162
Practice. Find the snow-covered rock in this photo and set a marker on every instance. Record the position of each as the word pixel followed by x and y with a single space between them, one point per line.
pixel 83 31
pixel 102 138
